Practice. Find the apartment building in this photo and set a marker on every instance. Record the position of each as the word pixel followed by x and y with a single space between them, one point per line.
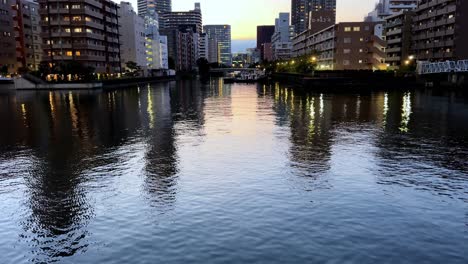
pixel 385 8
pixel 398 36
pixel 86 31
pixel 439 31
pixel 344 46
pixel 7 38
pixel 174 19
pixel 281 39
pixel 28 35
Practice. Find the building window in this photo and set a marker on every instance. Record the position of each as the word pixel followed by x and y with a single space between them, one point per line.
pixel 347 40
pixel 346 51
pixel 361 39
pixel 346 62
pixel 78 53
pixel 76 18
pixel 361 50
pixel 69 53
pixel 356 29
pixel 360 61
pixel 347 29
pixel 77 30
pixel 76 6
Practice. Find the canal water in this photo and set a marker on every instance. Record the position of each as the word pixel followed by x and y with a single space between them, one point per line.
pixel 181 172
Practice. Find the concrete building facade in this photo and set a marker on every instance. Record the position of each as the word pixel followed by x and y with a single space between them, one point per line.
pixel 385 8
pixel 312 14
pixel 439 31
pixel 175 19
pixel 86 31
pixel 281 39
pixel 132 36
pixel 398 36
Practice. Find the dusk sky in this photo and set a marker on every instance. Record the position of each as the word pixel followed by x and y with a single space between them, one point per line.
pixel 245 15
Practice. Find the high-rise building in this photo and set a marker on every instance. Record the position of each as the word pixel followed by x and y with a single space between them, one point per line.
pixel 175 19
pixel 182 46
pixel 385 8
pixel 439 31
pixel 132 36
pixel 320 14
pixel 86 31
pixel 264 34
pixel 203 52
pixel 281 39
pixel 148 7
pixel 7 38
pixel 220 37
pixel 315 14
pixel 299 9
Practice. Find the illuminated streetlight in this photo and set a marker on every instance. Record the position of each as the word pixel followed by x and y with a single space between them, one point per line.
pixel 314 59
pixel 411 57
pixel 407 62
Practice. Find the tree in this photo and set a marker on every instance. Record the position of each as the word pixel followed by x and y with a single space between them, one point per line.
pixel 132 68
pixel 4 70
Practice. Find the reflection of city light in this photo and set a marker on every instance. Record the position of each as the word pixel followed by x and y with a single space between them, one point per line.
pixel 73 112
pixel 358 106
pixel 52 105
pixel 150 109
pixel 24 112
pixel 321 105
pixel 312 117
pixel 405 112
pixel 385 109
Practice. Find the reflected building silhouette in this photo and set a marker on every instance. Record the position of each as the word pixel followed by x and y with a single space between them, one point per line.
pixel 423 128
pixel 309 118
pixel 160 157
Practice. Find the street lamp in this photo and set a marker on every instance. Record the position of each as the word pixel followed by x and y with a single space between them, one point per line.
pixel 314 59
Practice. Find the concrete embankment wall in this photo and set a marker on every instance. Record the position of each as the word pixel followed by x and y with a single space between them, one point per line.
pixel 31 84
pixel 344 80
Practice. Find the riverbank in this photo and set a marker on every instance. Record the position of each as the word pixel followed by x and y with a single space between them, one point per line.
pixel 346 80
pixel 28 82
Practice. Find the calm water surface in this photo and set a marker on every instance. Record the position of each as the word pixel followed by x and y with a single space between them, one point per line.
pixel 181 173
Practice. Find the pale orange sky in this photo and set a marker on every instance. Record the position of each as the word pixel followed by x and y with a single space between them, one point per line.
pixel 245 15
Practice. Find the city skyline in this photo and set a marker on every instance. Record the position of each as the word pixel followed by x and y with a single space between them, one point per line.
pixel 244 16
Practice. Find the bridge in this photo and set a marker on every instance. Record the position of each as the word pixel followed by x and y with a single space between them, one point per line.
pixel 425 67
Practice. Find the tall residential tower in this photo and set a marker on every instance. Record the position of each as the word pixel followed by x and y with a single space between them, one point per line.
pixel 147 7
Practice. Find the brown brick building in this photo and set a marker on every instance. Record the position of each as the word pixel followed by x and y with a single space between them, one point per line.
pixel 345 46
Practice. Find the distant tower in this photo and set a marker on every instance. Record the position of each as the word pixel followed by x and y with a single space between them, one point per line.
pixel 147 7
pixel 303 10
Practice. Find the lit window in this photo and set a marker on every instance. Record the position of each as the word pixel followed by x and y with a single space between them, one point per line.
pixel 78 53
pixel 360 61
pixel 77 30
pixel 347 29
pixel 356 29
pixel 69 53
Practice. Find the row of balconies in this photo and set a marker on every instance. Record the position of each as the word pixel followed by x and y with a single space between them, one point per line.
pixel 435 24
pixel 436 13
pixel 433 3
pixel 432 45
